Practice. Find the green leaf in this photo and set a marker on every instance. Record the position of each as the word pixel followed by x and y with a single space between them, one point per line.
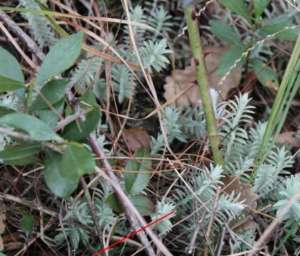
pixel 37 129
pixel 77 161
pixel 229 58
pixel 265 75
pixel 260 6
pixel 238 6
pixel 274 25
pixel 137 172
pixel 290 34
pixel 225 32
pixel 20 154
pixel 59 185
pixel 27 222
pixel 89 99
pixel 7 84
pixel 143 204
pixel 9 67
pixel 11 76
pixel 5 111
pixel 51 93
pixel 79 131
pixel 51 117
pixel 113 202
pixel 60 57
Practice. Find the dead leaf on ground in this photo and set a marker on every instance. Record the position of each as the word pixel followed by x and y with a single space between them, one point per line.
pixel 288 138
pixel 136 138
pixel 234 184
pixel 249 198
pixel 182 89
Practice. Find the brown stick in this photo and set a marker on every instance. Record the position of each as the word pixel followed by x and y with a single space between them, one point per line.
pixel 91 206
pixel 22 35
pixel 280 216
pixel 27 203
pixel 132 213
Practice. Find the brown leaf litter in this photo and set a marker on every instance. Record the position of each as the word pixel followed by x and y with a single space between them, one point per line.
pixel 249 199
pixel 136 138
pixel 181 87
pixel 290 138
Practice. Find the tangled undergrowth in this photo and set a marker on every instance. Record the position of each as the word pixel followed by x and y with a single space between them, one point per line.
pixel 124 132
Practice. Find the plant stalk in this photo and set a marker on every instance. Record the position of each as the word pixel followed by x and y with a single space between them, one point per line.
pixel 283 100
pixel 202 80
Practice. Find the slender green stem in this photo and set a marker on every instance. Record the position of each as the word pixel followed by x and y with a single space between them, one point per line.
pixel 196 45
pixel 283 100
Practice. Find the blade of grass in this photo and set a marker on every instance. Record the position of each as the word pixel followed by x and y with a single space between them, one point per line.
pixel 283 100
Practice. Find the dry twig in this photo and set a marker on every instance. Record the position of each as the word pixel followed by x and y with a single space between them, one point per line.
pixel 132 213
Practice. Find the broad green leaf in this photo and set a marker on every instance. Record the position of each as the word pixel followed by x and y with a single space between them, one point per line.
pixel 9 67
pixel 143 204
pixel 77 161
pixel 137 172
pixel 51 117
pixel 225 32
pixel 11 76
pixel 259 7
pixel 7 84
pixel 60 57
pixel 27 222
pixel 280 23
pixel 37 129
pixel 50 94
pixel 20 154
pixel 289 34
pixel 59 185
pixel 5 111
pixel 113 202
pixel 238 6
pixel 265 75
pixel 229 58
pixel 89 99
pixel 275 24
pixel 79 131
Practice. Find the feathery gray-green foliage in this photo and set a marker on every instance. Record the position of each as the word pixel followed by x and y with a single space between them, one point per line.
pixel 241 138
pixel 191 187
pixel 40 26
pixel 84 76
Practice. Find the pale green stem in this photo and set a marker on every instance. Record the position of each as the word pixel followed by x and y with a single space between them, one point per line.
pixel 196 45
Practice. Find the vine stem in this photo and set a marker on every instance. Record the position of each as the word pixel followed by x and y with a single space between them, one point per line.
pixel 202 80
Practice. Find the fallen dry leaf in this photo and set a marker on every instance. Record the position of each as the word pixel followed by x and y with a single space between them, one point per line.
pixel 234 184
pixel 136 138
pixel 288 138
pixel 182 89
pixel 249 198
